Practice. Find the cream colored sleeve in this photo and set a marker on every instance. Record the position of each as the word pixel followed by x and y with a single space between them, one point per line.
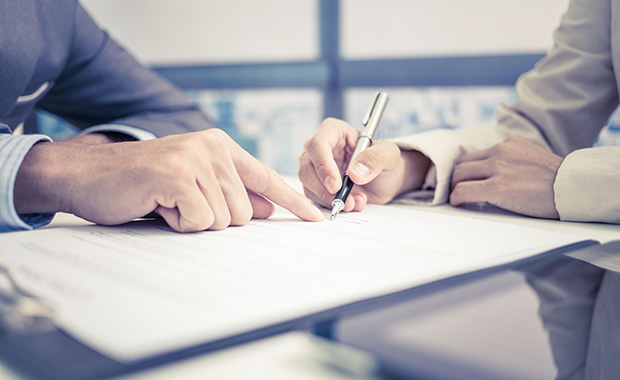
pixel 444 147
pixel 587 186
pixel 562 105
pixel 567 99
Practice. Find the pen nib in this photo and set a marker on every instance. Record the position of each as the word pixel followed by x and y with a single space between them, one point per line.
pixel 337 206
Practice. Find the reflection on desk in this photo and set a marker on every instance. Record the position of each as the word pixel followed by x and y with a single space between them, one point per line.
pixel 553 318
pixel 295 355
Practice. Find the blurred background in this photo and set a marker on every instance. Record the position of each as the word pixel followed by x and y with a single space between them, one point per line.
pixel 269 72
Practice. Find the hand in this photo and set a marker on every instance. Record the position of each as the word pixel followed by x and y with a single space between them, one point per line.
pixel 380 173
pixel 195 181
pixel 516 175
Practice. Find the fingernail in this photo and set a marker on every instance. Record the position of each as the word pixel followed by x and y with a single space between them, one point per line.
pixel 360 170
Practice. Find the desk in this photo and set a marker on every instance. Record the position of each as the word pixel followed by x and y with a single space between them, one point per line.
pixel 393 331
pixel 486 329
pixel 489 328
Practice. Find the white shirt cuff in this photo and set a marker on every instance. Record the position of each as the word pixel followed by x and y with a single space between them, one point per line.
pixel 137 133
pixel 13 149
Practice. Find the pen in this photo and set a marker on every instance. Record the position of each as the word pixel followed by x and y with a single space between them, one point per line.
pixel 370 123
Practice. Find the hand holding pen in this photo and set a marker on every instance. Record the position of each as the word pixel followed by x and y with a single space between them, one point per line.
pixel 380 172
pixel 371 123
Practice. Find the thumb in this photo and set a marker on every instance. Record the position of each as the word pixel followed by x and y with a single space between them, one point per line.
pixel 381 156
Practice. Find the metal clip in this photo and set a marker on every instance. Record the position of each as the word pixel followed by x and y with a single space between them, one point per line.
pixel 20 311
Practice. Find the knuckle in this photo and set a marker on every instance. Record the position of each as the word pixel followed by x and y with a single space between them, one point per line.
pixel 304 172
pixel 498 148
pixel 221 222
pixel 371 157
pixel 215 133
pixel 495 185
pixel 175 166
pixel 312 145
pixel 329 121
pixel 515 138
pixel 321 167
pixel 495 166
pixel 242 217
pixel 215 138
pixel 332 122
pixel 456 195
pixel 392 148
pixel 266 177
pixel 272 176
pixel 456 172
pixel 503 148
pixel 196 225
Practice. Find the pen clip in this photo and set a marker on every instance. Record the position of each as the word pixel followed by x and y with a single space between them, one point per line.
pixel 370 109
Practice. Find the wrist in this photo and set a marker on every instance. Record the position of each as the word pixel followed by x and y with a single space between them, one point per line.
pixel 97 138
pixel 415 166
pixel 41 180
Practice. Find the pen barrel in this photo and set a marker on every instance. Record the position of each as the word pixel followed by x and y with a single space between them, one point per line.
pixel 373 115
pixel 344 191
pixel 363 142
pixel 371 123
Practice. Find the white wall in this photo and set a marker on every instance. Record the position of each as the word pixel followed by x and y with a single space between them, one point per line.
pixel 165 32
pixel 413 28
pixel 168 32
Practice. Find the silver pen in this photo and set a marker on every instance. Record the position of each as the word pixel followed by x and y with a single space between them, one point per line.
pixel 370 123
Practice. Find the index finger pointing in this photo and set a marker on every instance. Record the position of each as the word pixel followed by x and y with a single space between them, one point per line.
pixel 262 180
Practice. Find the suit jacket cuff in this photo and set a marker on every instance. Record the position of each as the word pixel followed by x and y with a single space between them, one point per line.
pixel 586 186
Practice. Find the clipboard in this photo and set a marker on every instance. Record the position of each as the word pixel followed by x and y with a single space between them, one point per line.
pixel 54 354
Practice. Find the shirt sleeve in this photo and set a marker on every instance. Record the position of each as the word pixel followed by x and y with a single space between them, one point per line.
pixel 137 133
pixel 13 149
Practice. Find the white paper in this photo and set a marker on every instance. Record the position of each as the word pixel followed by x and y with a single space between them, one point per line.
pixel 141 289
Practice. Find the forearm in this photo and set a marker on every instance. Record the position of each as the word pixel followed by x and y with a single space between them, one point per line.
pixel 47 170
pixel 416 167
pixel 38 181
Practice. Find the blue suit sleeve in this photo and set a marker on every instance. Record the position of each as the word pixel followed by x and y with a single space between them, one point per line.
pixel 103 84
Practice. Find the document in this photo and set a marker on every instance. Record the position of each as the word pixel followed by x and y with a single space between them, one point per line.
pixel 141 289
